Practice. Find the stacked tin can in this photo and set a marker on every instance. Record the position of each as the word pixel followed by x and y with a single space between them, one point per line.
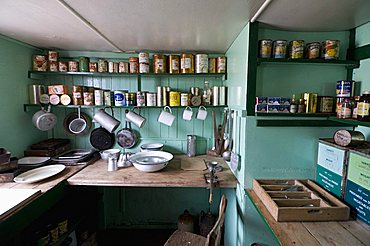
pixel 143 62
pixel 345 100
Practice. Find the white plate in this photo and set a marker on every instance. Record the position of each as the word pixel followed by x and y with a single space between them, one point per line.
pixel 38 174
pixel 31 160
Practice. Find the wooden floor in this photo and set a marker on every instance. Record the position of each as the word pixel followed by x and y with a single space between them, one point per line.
pixel 131 237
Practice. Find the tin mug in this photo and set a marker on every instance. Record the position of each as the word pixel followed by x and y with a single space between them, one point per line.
pixel 165 117
pixel 202 113
pixel 135 118
pixel 187 114
pixel 107 121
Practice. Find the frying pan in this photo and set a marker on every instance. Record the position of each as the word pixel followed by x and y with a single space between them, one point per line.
pixel 101 139
pixel 126 138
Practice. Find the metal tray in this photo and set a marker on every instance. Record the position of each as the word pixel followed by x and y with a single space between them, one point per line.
pixel 75 155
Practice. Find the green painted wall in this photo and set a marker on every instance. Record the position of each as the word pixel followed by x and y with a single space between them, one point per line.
pixel 363 35
pixel 16 129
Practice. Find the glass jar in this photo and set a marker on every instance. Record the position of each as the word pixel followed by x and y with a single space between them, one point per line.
pixel 346 109
pixel 354 111
pixel 301 106
pixel 363 107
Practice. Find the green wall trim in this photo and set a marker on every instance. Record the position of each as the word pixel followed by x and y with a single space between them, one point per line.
pixel 20 42
pixel 298 123
pixel 362 52
pixel 252 68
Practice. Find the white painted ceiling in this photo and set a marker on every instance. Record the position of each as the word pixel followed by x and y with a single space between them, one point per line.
pixel 165 25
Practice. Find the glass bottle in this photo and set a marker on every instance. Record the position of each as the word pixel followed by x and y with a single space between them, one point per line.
pixel 302 106
pixel 293 105
pixel 363 107
pixel 354 111
pixel 207 93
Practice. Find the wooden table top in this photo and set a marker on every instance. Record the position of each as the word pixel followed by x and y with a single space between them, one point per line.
pixel 171 176
pixel 344 233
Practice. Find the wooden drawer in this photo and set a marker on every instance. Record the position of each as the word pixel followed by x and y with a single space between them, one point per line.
pixel 299 200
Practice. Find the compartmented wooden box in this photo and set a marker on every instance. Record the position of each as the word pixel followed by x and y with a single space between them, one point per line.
pixel 299 200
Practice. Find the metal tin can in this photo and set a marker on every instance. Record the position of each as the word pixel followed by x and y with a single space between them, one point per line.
pixel 212 65
pixel 73 66
pixel 221 64
pixel 35 91
pixel 166 95
pixel 313 50
pixel 151 99
pixel 39 63
pixel 98 97
pixel 174 64
pixel 53 66
pixel 325 104
pixel 93 67
pixel 123 67
pixel 144 57
pixel 77 95
pixel 54 99
pixel 345 88
pixel 215 96
pixel 52 55
pixel 63 66
pixel 144 67
pixel 346 108
pixel 88 94
pixel 110 67
pixel 140 98
pixel 201 63
pixel 159 96
pixel 134 64
pixel 65 99
pixel 108 98
pixel 194 91
pixel 44 98
pixel 184 99
pixel 130 99
pixel 279 49
pixel 159 63
pixel 119 98
pixel 222 95
pixel 187 63
pixel 296 49
pixel 331 49
pixel 115 67
pixel 174 98
pixel 265 47
pixel 102 66
pixel 84 64
pixel 191 145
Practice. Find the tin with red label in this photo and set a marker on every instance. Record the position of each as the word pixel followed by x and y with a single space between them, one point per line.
pixel 53 66
pixel 40 63
pixel 296 49
pixel 331 49
pixel 313 50
pixel 73 66
pixel 134 64
pixel 63 66
pixel 52 55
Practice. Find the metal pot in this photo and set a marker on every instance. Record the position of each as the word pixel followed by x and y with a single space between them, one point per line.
pixel 101 139
pixel 126 137
pixel 44 120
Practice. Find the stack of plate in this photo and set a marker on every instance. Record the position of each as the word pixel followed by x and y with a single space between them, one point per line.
pixel 32 161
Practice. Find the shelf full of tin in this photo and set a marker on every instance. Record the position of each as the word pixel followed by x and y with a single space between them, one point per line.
pixel 132 82
pixel 267 76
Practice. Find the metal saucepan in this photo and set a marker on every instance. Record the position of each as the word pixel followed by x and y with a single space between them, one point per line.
pixel 126 138
pixel 101 139
pixel 44 120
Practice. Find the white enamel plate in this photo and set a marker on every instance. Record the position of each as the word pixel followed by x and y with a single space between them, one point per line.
pixel 38 174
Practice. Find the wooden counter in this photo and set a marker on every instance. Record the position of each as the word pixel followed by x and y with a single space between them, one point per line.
pixel 314 233
pixel 171 176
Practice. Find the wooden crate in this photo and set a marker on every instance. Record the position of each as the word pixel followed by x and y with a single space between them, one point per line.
pixel 299 200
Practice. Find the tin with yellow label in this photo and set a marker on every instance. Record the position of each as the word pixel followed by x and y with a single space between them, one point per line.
pixel 174 98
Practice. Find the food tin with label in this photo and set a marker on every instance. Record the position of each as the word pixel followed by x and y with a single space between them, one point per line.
pixel 119 98
pixel 144 57
pixel 108 98
pixel 52 55
pixel 123 67
pixel 279 49
pixel 98 97
pixel 166 95
pixel 363 107
pixel 40 63
pixel 296 48
pixel 194 91
pixel 201 63
pixel 325 104
pixel 221 64
pixel 35 91
pixel 151 99
pixel 73 66
pixel 346 108
pixel 184 99
pixel 63 66
pixel 174 64
pixel 174 98
pixel 54 99
pixel 159 96
pixel 345 88
pixel 140 98
pixel 130 99
pixel 339 104
pixel 313 50
pixel 53 66
pixel 84 64
pixel 265 47
pixel 102 66
pixel 215 96
pixel 77 95
pixel 331 49
pixel 110 67
pixel 212 65
pixel 88 95
pixel 187 63
pixel 159 63
pixel 355 105
pixel 93 67
pixel 144 68
pixel 65 99
pixel 44 99
pixel 115 67
pixel 134 64
pixel 222 95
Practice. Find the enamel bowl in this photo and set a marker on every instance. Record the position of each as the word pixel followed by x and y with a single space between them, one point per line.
pixel 150 161
pixel 151 147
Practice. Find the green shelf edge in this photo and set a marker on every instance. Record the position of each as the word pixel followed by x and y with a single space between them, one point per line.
pixel 299 123
pixel 351 122
pixel 311 115
pixel 350 63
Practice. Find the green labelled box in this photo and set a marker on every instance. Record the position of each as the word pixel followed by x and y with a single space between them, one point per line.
pixel 329 180
pixel 358 198
pixel 359 168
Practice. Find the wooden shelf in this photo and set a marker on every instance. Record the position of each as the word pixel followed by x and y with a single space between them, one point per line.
pixel 347 63
pixel 299 123
pixel 351 122
pixel 294 115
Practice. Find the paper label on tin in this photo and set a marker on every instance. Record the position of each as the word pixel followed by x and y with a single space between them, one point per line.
pixel 186 63
pixel 144 68
pixel 175 64
pixel 77 94
pixel 143 57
